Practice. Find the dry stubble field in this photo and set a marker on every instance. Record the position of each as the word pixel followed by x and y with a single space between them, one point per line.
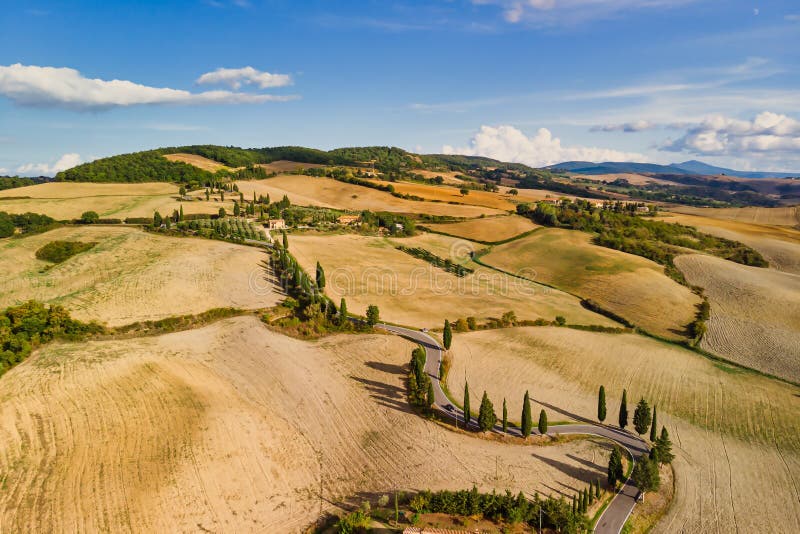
pixel 198 161
pixel 369 270
pixel 489 229
pixel 131 275
pixel 755 313
pixel 785 216
pixel 630 286
pixel 736 433
pixel 326 192
pixel 445 193
pixel 234 428
pixel 66 200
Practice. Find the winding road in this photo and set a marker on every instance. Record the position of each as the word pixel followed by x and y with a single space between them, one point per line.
pixel 617 512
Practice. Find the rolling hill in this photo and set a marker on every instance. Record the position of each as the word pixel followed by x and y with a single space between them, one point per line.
pixel 692 167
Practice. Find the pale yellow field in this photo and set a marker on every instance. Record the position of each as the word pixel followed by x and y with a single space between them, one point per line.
pixel 450 177
pixel 131 275
pixel 369 270
pixel 444 193
pixel 198 161
pixel 233 428
pixel 326 192
pixel 780 245
pixel 64 200
pixel 632 178
pixel 630 286
pixel 785 216
pixel 736 434
pixel 755 313
pixel 489 229
pixel 283 165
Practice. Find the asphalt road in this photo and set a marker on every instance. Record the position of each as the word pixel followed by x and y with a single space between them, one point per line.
pixel 615 515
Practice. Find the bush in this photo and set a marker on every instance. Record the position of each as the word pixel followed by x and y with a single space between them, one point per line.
pixel 58 251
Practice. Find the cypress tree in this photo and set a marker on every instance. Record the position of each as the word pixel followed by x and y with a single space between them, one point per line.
pixel 342 312
pixel 664 446
pixel 623 410
pixel 285 241
pixel 641 417
pixel 615 472
pixel 467 414
pixel 527 419
pixel 574 505
pixel 320 277
pixel 597 488
pixel 505 417
pixel 447 336
pixel 157 220
pixel 542 423
pixel 180 215
pixel 431 399
pixel 601 404
pixel 653 426
pixel 486 415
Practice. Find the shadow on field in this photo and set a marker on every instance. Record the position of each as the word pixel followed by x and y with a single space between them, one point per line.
pixel 387 368
pixel 581 473
pixel 587 463
pixel 556 409
pixel 386 394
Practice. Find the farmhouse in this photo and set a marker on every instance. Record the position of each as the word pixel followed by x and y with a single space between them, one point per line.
pixel 348 219
pixel 276 224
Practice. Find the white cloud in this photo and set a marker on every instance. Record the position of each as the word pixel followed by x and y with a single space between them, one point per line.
pixel 767 132
pixel 506 143
pixel 628 127
pixel 793 17
pixel 30 85
pixel 67 161
pixel 234 78
pixel 3 171
pixel 571 12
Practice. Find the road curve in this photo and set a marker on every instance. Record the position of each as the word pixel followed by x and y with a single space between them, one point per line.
pixel 613 518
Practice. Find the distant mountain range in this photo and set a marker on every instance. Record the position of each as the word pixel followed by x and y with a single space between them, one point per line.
pixel 692 167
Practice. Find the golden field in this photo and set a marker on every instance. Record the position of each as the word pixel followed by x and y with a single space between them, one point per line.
pixel 489 229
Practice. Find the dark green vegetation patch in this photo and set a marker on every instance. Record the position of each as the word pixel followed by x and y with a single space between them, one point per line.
pixel 58 251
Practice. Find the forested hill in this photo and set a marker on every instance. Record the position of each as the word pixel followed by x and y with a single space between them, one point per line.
pixel 152 166
pixel 12 182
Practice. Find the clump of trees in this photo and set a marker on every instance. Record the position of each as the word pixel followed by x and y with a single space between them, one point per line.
pixel 446 264
pixel 59 251
pixel 418 380
pixel 615 471
pixel 24 223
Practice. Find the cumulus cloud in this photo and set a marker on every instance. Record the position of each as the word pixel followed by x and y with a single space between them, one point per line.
pixel 506 143
pixel 235 78
pixel 67 161
pixel 3 171
pixel 30 85
pixel 628 127
pixel 552 12
pixel 720 135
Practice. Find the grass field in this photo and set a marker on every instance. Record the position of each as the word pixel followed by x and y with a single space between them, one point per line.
pixel 736 434
pixel 489 229
pixel 780 245
pixel 630 286
pixel 63 200
pixel 131 275
pixel 785 216
pixel 198 161
pixel 755 313
pixel 446 193
pixel 233 428
pixel 326 192
pixel 450 177
pixel 368 270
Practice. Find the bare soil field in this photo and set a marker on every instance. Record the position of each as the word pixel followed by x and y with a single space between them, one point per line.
pixel 233 428
pixel 780 245
pixel 198 161
pixel 450 177
pixel 369 270
pixel 444 193
pixel 131 275
pixel 736 434
pixel 489 229
pixel 630 286
pixel 64 200
pixel 283 165
pixel 755 313
pixel 785 216
pixel 632 178
pixel 326 192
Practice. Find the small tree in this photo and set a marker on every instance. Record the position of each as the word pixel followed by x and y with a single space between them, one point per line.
pixel 641 417
pixel 542 422
pixel 221 213
pixel 320 277
pixel 486 415
pixel 373 315
pixel 342 312
pixel 601 404
pixel 615 472
pixel 285 241
pixel 464 191
pixel 430 399
pixel 664 447
pixel 645 475
pixel 653 426
pixel 527 418
pixel 623 410
pixel 236 209
pixel 597 488
pixel 447 335
pixel 505 417
pixel 467 414
pixel 90 217
pixel 180 215
pixel 157 220
pixel 513 192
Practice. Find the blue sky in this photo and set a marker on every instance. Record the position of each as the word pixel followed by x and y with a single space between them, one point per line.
pixel 536 81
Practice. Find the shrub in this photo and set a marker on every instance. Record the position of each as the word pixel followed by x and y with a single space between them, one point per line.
pixel 58 251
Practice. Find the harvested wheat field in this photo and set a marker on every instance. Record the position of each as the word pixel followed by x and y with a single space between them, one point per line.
pixel 736 434
pixel 632 178
pixel 780 245
pixel 449 177
pixel 283 165
pixel 66 200
pixel 488 229
pixel 369 270
pixel 630 286
pixel 785 216
pixel 326 192
pixel 198 161
pixel 234 428
pixel 131 275
pixel 755 313
pixel 444 193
